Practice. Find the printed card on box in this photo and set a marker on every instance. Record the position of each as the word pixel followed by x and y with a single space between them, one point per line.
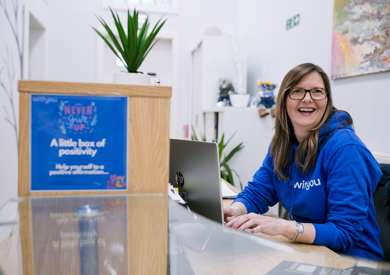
pixel 78 142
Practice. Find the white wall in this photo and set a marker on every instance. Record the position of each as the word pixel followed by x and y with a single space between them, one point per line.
pixel 71 56
pixel 365 97
pixel 14 64
pixel 11 71
pixel 72 45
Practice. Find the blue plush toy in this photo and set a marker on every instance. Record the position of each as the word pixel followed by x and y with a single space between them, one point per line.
pixel 265 98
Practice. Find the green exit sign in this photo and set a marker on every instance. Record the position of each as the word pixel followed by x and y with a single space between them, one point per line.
pixel 292 22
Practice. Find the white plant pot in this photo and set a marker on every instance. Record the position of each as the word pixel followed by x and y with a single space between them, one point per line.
pixel 239 100
pixel 132 79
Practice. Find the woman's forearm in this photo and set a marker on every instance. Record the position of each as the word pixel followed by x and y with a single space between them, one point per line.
pixel 309 232
pixel 240 207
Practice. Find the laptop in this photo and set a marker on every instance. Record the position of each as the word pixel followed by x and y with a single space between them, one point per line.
pixel 194 169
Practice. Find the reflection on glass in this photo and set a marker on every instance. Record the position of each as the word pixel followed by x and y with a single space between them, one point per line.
pixel 198 245
pixel 85 235
pixel 88 238
pixel 79 235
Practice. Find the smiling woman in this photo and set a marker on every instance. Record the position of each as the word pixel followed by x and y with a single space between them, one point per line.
pixel 318 169
pixel 299 126
pixel 305 113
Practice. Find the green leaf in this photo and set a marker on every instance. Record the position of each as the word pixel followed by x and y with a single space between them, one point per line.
pixel 224 175
pixel 142 34
pixel 238 178
pixel 148 42
pixel 132 48
pixel 135 18
pixel 145 54
pixel 121 33
pixel 132 33
pixel 193 135
pixel 230 139
pixel 233 152
pixel 221 146
pixel 158 27
pixel 225 170
pixel 229 174
pixel 109 45
pixel 112 36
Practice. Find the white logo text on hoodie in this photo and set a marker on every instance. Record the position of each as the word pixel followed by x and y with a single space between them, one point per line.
pixel 307 184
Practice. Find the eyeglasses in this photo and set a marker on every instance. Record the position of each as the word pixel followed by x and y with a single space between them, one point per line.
pixel 300 93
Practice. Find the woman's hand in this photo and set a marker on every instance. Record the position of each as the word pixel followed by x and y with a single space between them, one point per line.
pixel 234 211
pixel 229 213
pixel 263 224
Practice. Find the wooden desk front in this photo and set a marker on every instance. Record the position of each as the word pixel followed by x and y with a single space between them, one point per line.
pixel 148 134
pixel 127 235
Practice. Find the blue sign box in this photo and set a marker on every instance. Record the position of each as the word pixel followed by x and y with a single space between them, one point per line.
pixel 78 142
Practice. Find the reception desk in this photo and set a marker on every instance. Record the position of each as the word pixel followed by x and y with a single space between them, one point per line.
pixel 61 126
pixel 128 234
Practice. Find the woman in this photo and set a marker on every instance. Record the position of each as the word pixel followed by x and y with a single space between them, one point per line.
pixel 318 169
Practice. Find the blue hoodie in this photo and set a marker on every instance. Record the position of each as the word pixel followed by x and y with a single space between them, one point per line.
pixel 336 197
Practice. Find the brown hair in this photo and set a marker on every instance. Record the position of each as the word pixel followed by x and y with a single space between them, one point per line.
pixel 284 136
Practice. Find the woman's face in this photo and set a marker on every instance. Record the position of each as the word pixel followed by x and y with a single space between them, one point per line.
pixel 306 113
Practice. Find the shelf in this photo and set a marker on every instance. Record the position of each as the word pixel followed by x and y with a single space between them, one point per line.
pixel 229 109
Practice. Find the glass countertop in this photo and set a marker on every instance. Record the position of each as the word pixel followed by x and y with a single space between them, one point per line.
pixel 136 234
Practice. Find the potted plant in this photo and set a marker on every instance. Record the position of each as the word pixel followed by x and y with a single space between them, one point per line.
pixel 132 47
pixel 226 171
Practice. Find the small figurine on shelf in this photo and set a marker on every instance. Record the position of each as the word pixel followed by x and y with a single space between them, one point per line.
pixel 225 89
pixel 265 98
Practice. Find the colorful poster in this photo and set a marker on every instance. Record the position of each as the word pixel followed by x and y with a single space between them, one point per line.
pixel 78 142
pixel 361 42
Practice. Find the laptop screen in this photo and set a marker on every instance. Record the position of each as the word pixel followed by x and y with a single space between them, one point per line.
pixel 194 169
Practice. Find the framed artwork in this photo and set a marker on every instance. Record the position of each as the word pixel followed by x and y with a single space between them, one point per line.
pixel 361 43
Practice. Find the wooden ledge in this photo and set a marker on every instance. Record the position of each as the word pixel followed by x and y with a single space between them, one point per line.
pixel 54 87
